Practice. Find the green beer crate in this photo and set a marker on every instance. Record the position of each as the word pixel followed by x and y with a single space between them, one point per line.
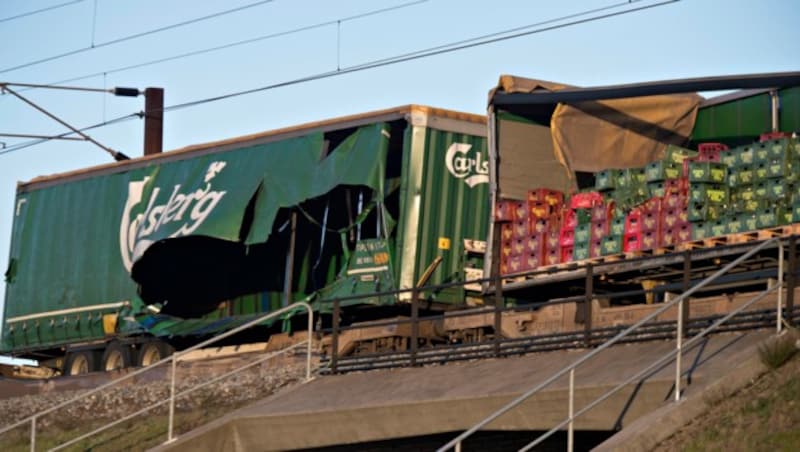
pixel 696 211
pixel 718 227
pixel 583 216
pixel 583 232
pixel 750 222
pixel 766 218
pixel 736 224
pixel 662 170
pixel 777 190
pixel 743 175
pixel 700 230
pixel 611 244
pixel 656 189
pixel 677 154
pixel 743 194
pixel 750 206
pixel 761 153
pixel 728 158
pixel 745 155
pixel 761 190
pixel 618 226
pixel 784 214
pixel 580 252
pixel 760 172
pixel 708 172
pixel 704 192
pixel 779 149
pixel 780 169
pixel 605 180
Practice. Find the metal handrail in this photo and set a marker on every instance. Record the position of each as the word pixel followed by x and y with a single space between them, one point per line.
pixel 455 443
pixel 173 359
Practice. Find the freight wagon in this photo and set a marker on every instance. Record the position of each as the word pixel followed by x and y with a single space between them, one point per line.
pixel 112 266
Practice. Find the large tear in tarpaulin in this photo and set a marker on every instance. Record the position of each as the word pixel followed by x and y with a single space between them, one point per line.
pixel 549 143
pixel 215 227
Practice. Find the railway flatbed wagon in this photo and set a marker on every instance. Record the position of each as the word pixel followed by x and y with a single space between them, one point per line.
pixel 112 266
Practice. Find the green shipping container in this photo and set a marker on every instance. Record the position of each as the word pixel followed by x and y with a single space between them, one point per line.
pixel 375 198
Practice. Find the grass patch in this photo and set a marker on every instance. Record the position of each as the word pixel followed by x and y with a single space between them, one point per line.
pixel 777 352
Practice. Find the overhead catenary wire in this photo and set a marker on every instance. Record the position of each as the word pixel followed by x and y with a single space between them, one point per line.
pixel 242 42
pixel 37 11
pixel 135 36
pixel 424 53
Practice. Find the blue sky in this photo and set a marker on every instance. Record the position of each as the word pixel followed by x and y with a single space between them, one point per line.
pixel 681 39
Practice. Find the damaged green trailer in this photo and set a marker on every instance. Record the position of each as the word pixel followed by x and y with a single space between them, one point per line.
pixel 112 266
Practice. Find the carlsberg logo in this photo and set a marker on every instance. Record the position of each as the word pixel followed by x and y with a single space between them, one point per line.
pixel 182 212
pixel 474 170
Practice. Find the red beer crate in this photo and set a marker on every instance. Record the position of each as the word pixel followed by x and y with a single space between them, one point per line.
pixel 566 237
pixel 570 219
pixel 504 210
pixel 669 219
pixel 519 246
pixel 710 147
pixel 602 212
pixel 674 201
pixel 683 233
pixel 539 210
pixel 633 222
pixel 773 136
pixel 668 237
pixel 513 264
pixel 552 257
pixel 520 211
pixel 596 247
pixel 552 240
pixel 632 241
pixel 599 230
pixel 652 205
pixel 506 248
pixel 554 198
pixel 506 231
pixel 650 221
pixel 677 186
pixel 535 244
pixel 650 240
pixel 585 200
pixel 520 229
pixel 566 253
pixel 543 225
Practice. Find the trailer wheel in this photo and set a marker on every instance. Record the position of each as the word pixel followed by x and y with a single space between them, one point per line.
pixel 153 352
pixel 116 356
pixel 80 362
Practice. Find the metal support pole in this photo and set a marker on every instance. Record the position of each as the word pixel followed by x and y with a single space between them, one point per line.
pixel 308 347
pixel 779 308
pixel 790 279
pixel 414 325
pixel 33 434
pixel 498 289
pixel 774 109
pixel 289 275
pixel 687 282
pixel 153 120
pixel 571 427
pixel 172 400
pixel 335 337
pixel 458 446
pixel 587 306
pixel 679 347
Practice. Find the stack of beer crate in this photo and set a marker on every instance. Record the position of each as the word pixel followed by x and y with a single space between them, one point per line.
pixel 687 195
pixel 529 231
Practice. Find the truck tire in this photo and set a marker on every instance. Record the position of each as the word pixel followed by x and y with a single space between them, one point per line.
pixel 116 356
pixel 80 362
pixel 152 352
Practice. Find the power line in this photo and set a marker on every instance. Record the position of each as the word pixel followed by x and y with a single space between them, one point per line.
pixel 31 13
pixel 425 53
pixel 242 42
pixel 432 51
pixel 135 36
